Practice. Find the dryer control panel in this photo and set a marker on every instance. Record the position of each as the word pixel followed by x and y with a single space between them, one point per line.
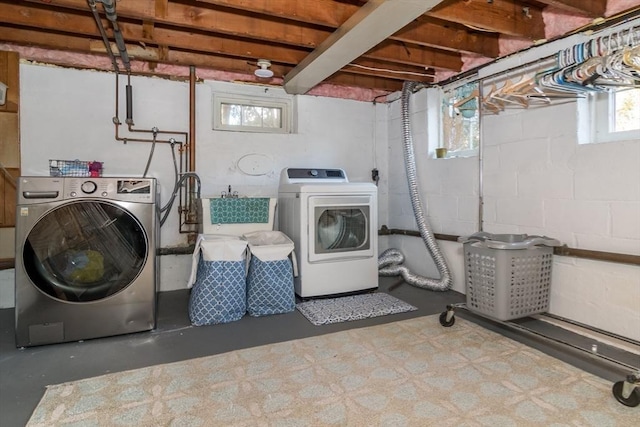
pixel 301 175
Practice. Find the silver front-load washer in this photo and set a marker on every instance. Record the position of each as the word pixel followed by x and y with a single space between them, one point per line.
pixel 85 258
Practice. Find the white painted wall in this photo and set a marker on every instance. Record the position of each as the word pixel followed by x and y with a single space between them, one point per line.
pixel 536 180
pixel 536 177
pixel 539 180
pixel 67 114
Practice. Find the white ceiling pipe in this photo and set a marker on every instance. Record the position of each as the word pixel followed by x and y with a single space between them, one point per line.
pixel 371 24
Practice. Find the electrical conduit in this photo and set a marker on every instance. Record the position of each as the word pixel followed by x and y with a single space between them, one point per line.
pixel 390 261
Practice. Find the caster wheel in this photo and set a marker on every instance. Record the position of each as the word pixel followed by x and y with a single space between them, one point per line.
pixel 443 320
pixel 633 399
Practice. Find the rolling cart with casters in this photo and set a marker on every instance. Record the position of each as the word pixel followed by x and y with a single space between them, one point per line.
pixel 508 276
pixel 626 391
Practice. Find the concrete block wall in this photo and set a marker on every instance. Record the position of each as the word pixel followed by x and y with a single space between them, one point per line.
pixel 67 114
pixel 537 180
pixel 448 189
pixel 540 181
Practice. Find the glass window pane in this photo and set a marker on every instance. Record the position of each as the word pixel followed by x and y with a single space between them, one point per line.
pixel 85 251
pixel 627 110
pixel 230 114
pixel 341 229
pixel 271 117
pixel 251 116
pixel 460 123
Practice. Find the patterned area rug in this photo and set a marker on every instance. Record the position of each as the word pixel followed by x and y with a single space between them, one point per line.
pixel 407 373
pixel 355 307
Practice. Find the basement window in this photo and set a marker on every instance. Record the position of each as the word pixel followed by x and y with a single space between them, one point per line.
pixel 252 114
pixel 609 116
pixel 461 120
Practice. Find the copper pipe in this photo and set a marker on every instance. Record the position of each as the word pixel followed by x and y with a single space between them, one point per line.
pixel 192 217
pixel 117 123
pixel 192 119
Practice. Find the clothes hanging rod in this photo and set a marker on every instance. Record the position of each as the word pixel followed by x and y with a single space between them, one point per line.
pixel 468 76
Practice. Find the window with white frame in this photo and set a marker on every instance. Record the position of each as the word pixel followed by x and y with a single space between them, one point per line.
pixel 461 120
pixel 609 116
pixel 252 113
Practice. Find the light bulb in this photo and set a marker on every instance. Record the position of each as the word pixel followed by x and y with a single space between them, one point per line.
pixel 264 71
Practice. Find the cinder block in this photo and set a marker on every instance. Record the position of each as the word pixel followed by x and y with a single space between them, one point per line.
pixel 546 184
pixel 501 184
pixel 584 217
pixel 625 220
pixel 525 212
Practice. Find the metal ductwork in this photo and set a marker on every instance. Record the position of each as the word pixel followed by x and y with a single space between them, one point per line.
pixel 390 262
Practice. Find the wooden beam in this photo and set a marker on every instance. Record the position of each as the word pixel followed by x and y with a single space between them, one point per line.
pixel 389 71
pixel 332 14
pixel 46 40
pixel 161 8
pixel 213 21
pixel 329 13
pixel 590 8
pixel 371 24
pixel 150 33
pixel 86 45
pixel 22 14
pixel 410 55
pixel 283 32
pixel 424 32
pixel 502 16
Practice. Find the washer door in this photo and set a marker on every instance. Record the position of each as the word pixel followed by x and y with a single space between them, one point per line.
pixel 85 251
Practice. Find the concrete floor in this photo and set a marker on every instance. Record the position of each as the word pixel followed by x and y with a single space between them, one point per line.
pixel 24 373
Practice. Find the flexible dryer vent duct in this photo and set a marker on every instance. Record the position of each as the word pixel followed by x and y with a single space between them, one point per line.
pixel 390 261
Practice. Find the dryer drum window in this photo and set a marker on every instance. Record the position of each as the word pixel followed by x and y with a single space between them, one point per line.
pixel 85 251
pixel 341 229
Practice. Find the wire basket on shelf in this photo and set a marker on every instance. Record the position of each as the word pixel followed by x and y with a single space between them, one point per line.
pixel 79 168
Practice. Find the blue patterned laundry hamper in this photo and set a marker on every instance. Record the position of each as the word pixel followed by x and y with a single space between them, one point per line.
pixel 218 280
pixel 270 278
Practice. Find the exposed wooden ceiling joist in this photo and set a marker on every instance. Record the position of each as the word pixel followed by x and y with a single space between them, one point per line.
pixel 590 8
pixel 231 35
pixel 500 16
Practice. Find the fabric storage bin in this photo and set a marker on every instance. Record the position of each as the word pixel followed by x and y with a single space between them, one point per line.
pixel 270 277
pixel 218 280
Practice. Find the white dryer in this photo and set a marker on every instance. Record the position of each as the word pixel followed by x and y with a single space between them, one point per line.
pixel 333 224
pixel 85 258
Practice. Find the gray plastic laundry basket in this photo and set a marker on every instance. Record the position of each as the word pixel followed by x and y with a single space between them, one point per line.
pixel 508 276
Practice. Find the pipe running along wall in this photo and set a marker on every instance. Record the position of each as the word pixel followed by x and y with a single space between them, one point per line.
pixel 187 210
pixel 390 262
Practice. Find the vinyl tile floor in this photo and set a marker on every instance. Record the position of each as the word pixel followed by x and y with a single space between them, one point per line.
pixel 25 372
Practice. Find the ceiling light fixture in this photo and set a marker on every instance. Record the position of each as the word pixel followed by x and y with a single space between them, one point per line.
pixel 264 71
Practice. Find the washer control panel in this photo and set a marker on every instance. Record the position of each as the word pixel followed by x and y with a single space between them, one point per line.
pixel 125 189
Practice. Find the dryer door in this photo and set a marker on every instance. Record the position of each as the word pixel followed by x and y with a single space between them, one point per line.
pixel 85 251
pixel 340 227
